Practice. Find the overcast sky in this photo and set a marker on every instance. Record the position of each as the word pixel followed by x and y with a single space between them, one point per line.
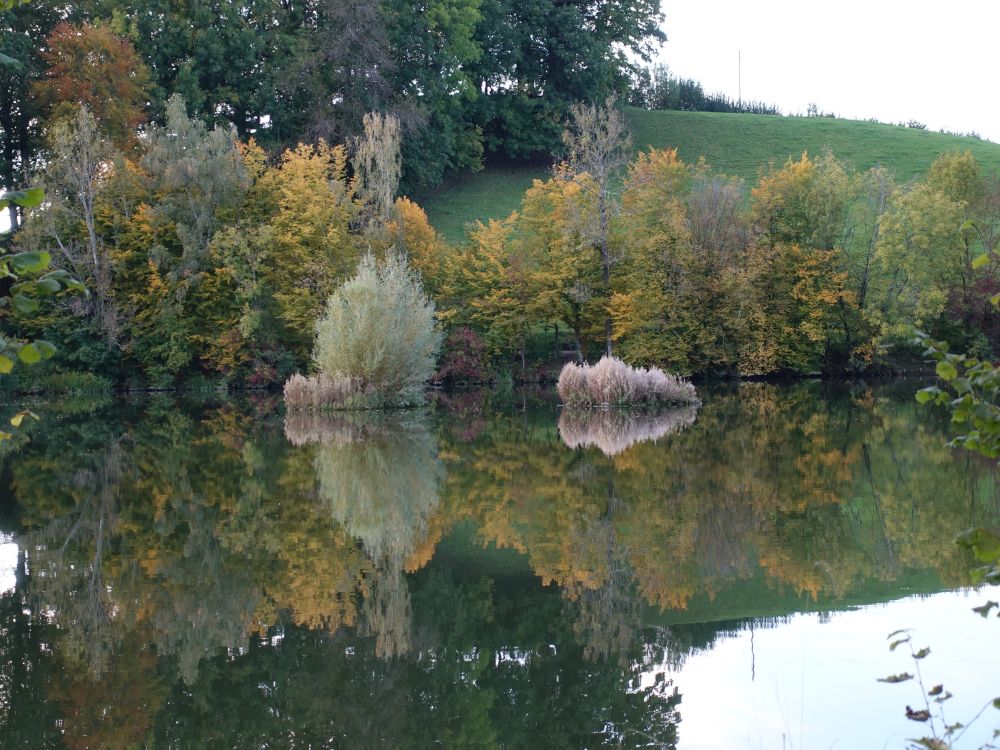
pixel 935 62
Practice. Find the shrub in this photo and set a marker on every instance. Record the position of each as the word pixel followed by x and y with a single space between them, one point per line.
pixel 70 383
pixel 376 342
pixel 464 357
pixel 611 382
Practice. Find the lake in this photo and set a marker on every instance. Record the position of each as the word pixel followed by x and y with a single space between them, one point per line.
pixel 201 571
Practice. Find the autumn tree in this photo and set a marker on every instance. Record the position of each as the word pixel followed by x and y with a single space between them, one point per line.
pixel 197 175
pixel 426 250
pixel 922 254
pixel 376 164
pixel 495 286
pixel 654 313
pixel 89 65
pixel 805 202
pixel 597 143
pixel 313 248
pixel 569 275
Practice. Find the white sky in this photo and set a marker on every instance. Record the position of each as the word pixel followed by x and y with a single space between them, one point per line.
pixel 935 62
pixel 810 685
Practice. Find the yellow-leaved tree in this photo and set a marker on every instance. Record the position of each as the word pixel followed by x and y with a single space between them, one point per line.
pixel 313 248
pixel 569 272
pixel 495 283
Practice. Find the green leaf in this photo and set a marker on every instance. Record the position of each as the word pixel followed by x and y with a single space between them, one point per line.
pixel 48 286
pixel 926 395
pixel 984 610
pixel 45 348
pixel 961 385
pixel 946 370
pixel 29 354
pixel 27 198
pixel 984 544
pixel 6 364
pixel 894 644
pixel 981 260
pixel 922 653
pixel 19 417
pixel 996 703
pixel 25 305
pixel 33 262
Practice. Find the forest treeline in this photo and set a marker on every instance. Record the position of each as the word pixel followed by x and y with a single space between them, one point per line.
pixel 206 258
pixel 817 267
pixel 466 78
pixel 210 235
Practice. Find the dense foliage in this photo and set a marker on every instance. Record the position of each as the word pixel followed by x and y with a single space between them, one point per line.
pixel 464 77
pixel 212 243
pixel 819 268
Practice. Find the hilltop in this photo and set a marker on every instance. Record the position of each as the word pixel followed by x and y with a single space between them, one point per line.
pixel 736 144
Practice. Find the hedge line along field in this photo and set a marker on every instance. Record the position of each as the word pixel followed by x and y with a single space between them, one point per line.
pixel 736 144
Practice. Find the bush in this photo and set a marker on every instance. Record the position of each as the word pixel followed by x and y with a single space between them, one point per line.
pixel 376 342
pixel 464 357
pixel 611 382
pixel 70 383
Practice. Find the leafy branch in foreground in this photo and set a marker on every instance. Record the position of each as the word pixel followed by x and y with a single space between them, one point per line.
pixel 947 735
pixel 22 290
pixel 972 392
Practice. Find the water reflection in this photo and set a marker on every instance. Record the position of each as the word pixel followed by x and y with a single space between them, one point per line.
pixel 379 475
pixel 189 572
pixel 612 431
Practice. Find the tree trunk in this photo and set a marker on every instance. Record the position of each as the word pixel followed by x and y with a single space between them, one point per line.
pixel 605 268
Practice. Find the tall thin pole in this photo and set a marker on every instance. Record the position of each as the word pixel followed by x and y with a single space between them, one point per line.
pixel 739 75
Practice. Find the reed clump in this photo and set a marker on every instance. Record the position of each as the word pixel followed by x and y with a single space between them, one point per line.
pixel 320 392
pixel 611 382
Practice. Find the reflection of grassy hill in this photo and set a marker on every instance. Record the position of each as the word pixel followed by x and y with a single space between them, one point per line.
pixel 734 144
pixel 758 598
pixel 754 597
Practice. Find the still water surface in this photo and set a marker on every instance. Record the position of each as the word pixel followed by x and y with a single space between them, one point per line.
pixel 182 573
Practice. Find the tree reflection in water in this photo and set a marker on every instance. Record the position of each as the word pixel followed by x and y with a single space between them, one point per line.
pixel 380 477
pixel 191 572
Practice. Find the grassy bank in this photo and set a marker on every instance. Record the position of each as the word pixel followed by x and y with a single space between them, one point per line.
pixel 732 143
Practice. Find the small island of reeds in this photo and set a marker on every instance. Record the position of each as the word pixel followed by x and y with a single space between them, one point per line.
pixel 611 382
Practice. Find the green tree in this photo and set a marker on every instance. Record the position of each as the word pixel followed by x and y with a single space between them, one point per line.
pixel 528 87
pixel 378 328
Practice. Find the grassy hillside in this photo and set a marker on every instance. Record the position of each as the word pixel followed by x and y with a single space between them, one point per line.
pixel 734 144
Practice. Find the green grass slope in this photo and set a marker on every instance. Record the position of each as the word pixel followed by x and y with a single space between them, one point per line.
pixel 734 144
